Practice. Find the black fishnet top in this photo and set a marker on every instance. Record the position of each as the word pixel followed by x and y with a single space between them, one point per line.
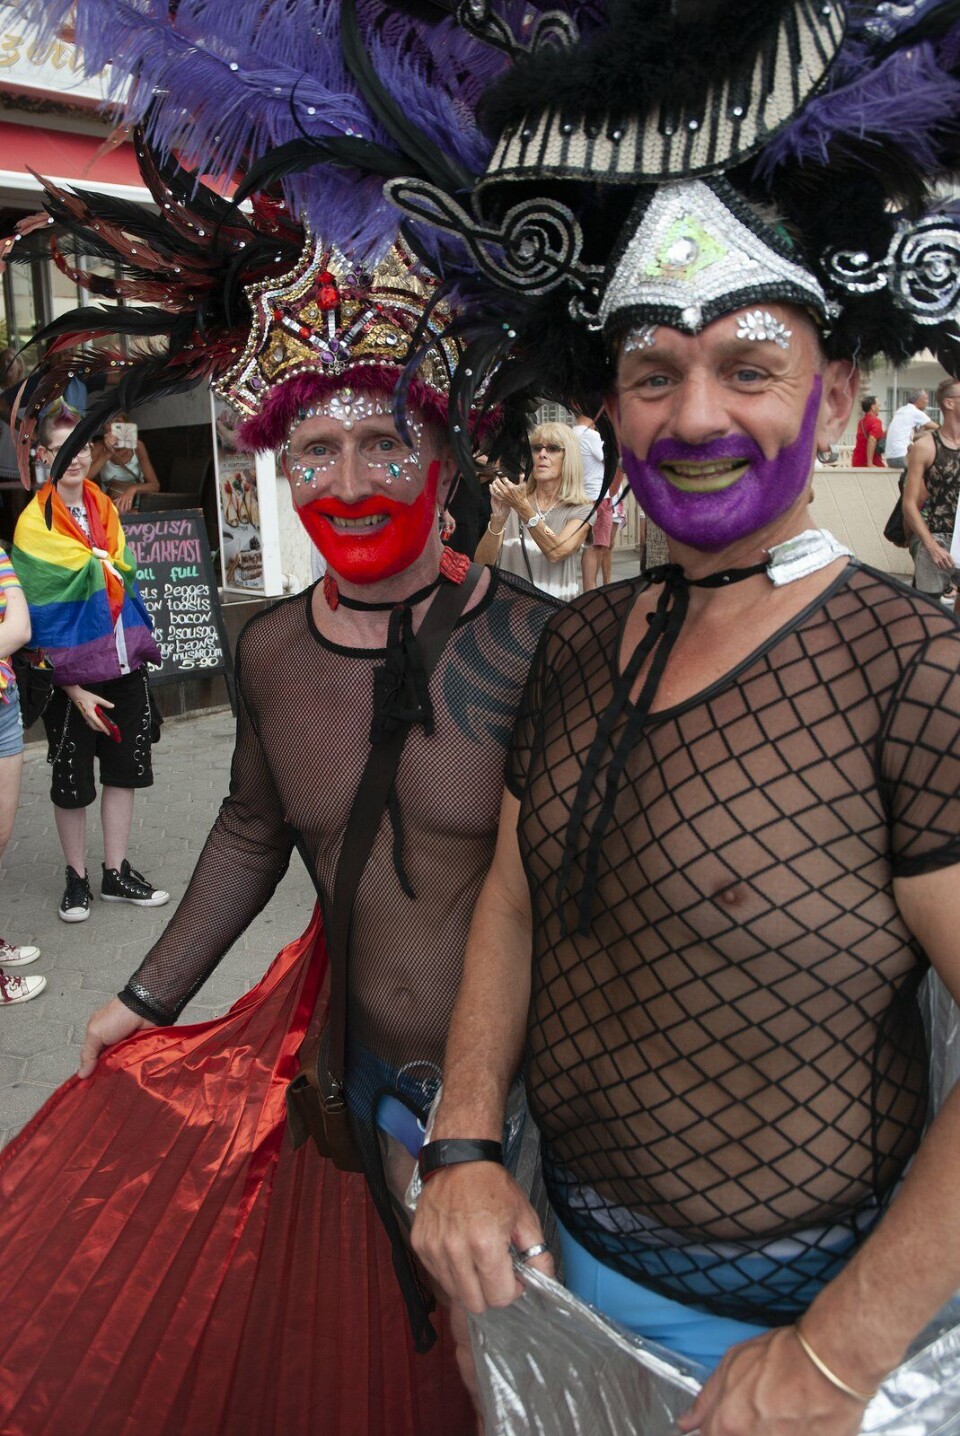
pixel 303 723
pixel 731 1055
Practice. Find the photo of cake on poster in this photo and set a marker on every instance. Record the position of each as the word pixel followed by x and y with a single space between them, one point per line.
pixel 242 555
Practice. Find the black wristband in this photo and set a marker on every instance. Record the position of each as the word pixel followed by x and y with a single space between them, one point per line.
pixel 450 1151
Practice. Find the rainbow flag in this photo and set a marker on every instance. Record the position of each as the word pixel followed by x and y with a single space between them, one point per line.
pixel 78 587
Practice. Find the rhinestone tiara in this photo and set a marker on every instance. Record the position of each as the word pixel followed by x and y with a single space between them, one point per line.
pixel 329 315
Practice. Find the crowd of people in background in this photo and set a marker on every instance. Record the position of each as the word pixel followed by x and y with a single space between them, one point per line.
pixel 925 454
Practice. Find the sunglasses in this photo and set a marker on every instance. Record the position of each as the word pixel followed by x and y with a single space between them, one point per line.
pixel 550 448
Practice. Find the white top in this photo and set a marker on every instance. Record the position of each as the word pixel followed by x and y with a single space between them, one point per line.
pixel 561 579
pixel 591 447
pixel 900 432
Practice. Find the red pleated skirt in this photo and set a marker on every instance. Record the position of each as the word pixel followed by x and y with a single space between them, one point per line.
pixel 169 1267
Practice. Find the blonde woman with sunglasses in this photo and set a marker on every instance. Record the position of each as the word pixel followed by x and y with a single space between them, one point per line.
pixel 537 528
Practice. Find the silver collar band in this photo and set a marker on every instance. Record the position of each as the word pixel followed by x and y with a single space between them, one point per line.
pixel 802 555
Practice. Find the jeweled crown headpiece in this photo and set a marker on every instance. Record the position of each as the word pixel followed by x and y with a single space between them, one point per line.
pixel 328 316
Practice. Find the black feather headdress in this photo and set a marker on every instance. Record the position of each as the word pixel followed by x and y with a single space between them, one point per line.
pixel 829 127
pixel 832 121
pixel 183 272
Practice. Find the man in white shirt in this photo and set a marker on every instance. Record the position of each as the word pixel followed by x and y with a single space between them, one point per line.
pixel 907 419
pixel 596 552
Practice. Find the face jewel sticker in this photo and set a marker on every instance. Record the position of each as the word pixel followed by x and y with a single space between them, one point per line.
pixel 641 336
pixel 759 325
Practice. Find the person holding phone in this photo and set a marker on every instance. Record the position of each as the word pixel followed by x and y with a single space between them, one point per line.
pixel 121 462
pixel 537 528
pixel 89 620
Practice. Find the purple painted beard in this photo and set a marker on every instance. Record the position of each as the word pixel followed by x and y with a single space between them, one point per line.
pixel 712 521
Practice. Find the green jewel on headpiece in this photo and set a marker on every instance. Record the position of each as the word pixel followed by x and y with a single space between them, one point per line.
pixel 687 248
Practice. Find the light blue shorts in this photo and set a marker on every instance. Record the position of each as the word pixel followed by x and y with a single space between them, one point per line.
pixel 683 1329
pixel 11 724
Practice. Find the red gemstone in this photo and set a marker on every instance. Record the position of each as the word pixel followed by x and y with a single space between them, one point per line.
pixel 330 592
pixel 305 331
pixel 328 298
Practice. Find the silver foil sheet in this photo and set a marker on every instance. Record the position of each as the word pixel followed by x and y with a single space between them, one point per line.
pixel 551 1366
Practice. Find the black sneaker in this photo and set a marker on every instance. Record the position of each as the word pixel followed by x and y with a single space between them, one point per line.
pixel 130 886
pixel 75 903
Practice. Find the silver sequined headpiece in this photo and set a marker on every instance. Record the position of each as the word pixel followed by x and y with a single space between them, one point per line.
pixel 693 251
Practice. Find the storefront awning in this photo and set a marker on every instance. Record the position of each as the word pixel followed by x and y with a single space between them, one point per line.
pixel 65 157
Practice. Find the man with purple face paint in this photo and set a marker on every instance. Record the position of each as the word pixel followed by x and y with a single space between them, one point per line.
pixel 732 862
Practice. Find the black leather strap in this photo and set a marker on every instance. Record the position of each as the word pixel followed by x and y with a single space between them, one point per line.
pixel 367 812
pixel 451 1151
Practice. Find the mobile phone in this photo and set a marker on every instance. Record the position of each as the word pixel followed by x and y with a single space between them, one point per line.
pixel 112 728
pixel 125 435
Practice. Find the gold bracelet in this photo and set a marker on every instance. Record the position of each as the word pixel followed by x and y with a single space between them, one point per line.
pixel 832 1376
pixel 497 533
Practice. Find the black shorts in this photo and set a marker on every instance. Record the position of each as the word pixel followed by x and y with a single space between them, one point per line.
pixel 72 744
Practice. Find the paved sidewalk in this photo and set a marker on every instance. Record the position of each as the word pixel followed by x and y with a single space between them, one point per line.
pixel 85 963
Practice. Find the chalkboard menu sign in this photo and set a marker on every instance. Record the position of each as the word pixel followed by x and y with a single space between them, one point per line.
pixel 179 588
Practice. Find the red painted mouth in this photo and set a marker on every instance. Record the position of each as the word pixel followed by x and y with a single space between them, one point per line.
pixel 376 537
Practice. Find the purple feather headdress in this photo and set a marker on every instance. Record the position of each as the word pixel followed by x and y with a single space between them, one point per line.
pixel 223 82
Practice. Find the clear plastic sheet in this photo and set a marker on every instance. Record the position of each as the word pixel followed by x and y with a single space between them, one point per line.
pixel 521 1147
pixel 551 1366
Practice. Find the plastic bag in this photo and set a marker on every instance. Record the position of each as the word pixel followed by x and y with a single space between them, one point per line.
pixel 551 1366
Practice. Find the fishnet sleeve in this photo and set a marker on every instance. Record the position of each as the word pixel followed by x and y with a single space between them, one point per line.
pixel 919 760
pixel 527 724
pixel 245 856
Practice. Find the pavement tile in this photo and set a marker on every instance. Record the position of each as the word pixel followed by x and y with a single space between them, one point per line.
pixel 21 1036
pixel 11 1067
pixel 53 1067
pixel 22 1100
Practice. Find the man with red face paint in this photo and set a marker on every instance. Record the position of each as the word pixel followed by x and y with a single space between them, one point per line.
pixel 368 501
pixel 309 699
pixel 321 677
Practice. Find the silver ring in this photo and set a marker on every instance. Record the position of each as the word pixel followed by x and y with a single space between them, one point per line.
pixel 534 1251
